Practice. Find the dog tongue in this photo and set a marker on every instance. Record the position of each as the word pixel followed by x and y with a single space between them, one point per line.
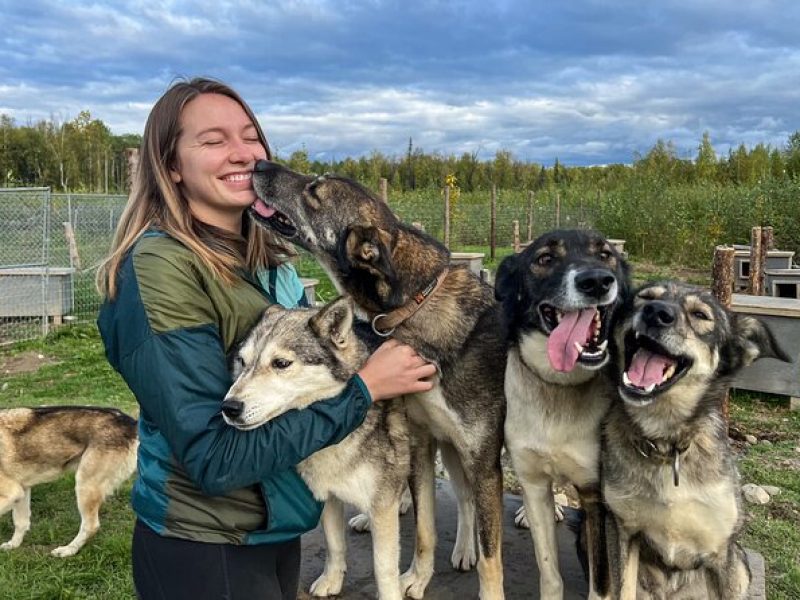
pixel 647 368
pixel 573 327
pixel 262 209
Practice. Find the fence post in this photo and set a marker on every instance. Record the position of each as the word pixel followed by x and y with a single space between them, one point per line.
pixel 755 284
pixel 447 216
pixel 132 156
pixel 722 276
pixel 493 225
pixel 516 236
pixel 384 190
pixel 558 209
pixel 530 216
pixel 767 239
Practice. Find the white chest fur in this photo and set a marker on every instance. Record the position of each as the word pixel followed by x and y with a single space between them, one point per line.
pixel 683 522
pixel 552 430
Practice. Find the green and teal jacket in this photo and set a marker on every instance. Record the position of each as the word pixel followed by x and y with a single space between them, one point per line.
pixel 168 332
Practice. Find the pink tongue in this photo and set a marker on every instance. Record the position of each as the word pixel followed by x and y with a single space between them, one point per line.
pixel 263 210
pixel 573 327
pixel 647 368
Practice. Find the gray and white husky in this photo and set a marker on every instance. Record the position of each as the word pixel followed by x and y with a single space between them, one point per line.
pixel 669 476
pixel 293 358
pixel 559 297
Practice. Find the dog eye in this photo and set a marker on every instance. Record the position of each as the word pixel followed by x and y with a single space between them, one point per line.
pixel 604 255
pixel 280 363
pixel 699 314
pixel 544 259
pixel 238 363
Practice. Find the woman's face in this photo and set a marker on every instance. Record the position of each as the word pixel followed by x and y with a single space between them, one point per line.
pixel 216 151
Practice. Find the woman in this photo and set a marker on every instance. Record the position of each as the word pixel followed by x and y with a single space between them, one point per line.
pixel 219 511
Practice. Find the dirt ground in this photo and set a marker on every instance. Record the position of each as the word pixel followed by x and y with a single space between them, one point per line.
pixel 26 362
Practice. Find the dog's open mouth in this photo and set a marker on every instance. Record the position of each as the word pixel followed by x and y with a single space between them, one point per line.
pixel 575 336
pixel 268 214
pixel 650 369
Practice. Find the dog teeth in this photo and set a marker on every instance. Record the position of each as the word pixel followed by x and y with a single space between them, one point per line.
pixel 603 346
pixel 579 347
pixel 649 388
pixel 626 380
pixel 559 316
pixel 668 372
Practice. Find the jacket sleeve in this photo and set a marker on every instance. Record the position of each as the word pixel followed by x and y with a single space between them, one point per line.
pixel 179 377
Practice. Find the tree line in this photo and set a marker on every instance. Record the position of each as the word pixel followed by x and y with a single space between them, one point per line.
pixel 82 155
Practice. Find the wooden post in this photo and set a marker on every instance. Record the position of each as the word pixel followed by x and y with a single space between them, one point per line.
pixel 767 239
pixel 722 277
pixel 493 225
pixel 516 236
pixel 72 246
pixel 558 209
pixel 447 216
pixel 132 156
pixel 755 284
pixel 530 216
pixel 385 190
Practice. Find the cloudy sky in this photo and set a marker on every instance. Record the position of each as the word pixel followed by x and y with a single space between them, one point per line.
pixel 587 81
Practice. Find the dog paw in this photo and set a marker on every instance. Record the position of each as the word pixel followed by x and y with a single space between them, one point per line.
pixel 64 551
pixel 327 584
pixel 464 557
pixel 521 518
pixel 559 512
pixel 9 545
pixel 414 584
pixel 405 502
pixel 359 523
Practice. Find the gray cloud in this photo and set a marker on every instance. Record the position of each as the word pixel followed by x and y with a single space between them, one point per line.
pixel 586 81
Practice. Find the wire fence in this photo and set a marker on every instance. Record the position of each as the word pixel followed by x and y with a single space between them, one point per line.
pixel 51 245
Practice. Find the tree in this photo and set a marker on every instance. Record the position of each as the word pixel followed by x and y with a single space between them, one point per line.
pixel 706 163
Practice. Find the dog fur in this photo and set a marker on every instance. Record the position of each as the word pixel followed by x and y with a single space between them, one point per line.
pixel 556 393
pixel 669 476
pixel 294 358
pixel 383 263
pixel 39 445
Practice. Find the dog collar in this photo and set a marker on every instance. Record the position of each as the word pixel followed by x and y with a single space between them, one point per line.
pixel 649 449
pixel 390 321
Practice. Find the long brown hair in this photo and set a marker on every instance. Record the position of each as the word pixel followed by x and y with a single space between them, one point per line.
pixel 155 200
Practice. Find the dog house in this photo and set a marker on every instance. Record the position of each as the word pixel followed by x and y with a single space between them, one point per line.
pixel 782 316
pixel 783 283
pixel 36 292
pixel 474 260
pixel 776 259
pixel 310 289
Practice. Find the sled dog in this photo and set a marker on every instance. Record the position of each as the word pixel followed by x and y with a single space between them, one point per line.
pixel 39 445
pixel 669 476
pixel 559 297
pixel 401 281
pixel 293 358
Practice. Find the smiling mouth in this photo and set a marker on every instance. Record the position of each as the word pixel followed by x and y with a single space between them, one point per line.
pixel 650 369
pixel 579 336
pixel 275 219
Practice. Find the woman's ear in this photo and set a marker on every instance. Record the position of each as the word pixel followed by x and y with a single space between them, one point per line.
pixel 175 176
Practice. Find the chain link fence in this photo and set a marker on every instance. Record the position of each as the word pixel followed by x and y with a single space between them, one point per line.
pixel 50 246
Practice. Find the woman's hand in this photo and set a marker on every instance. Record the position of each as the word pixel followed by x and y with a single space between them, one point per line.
pixel 395 369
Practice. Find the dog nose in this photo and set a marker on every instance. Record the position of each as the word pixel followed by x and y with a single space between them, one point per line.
pixel 594 282
pixel 265 166
pixel 232 408
pixel 658 314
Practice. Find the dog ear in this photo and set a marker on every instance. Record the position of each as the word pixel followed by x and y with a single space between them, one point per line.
pixel 507 281
pixel 367 248
pixel 334 322
pixel 755 340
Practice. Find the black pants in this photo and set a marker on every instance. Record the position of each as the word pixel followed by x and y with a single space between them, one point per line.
pixel 174 569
